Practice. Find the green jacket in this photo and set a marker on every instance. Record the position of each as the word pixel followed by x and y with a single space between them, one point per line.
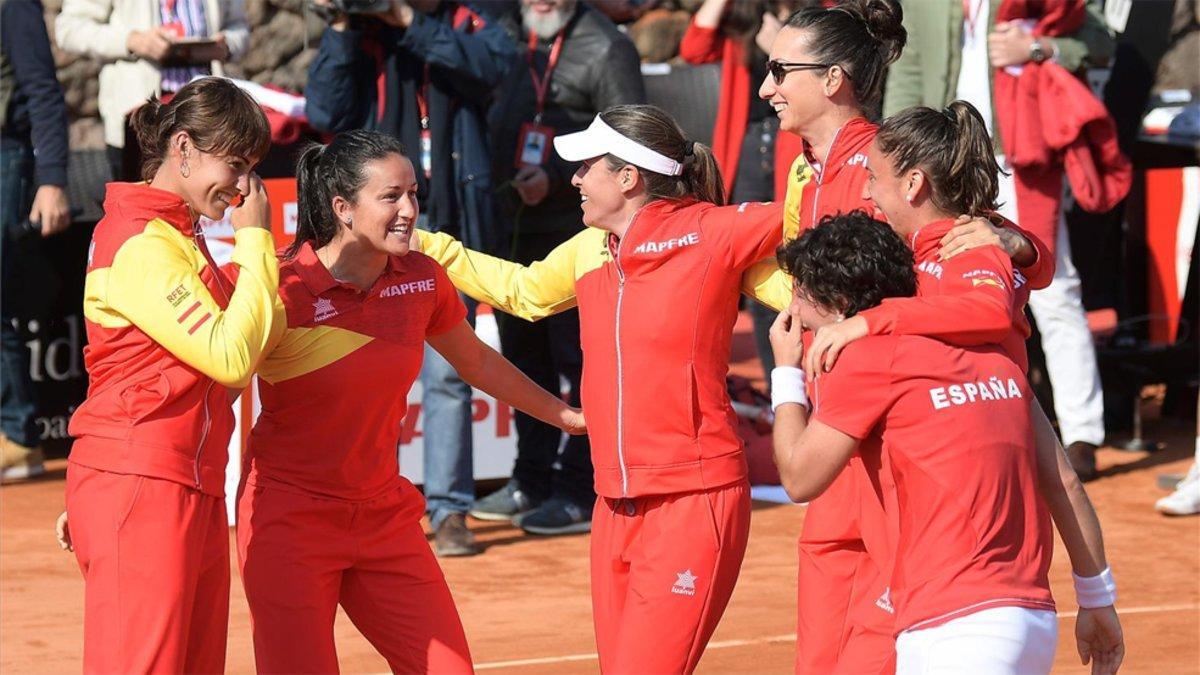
pixel 927 72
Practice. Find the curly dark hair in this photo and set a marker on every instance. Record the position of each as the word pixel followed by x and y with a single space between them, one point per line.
pixel 850 262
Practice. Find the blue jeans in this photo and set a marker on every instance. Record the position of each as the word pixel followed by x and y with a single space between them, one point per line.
pixel 449 452
pixel 18 404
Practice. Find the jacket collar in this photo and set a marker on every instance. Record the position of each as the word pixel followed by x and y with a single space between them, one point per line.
pixel 926 241
pixel 316 276
pixel 141 200
pixel 851 139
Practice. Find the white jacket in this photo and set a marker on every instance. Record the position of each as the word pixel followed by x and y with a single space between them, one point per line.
pixel 100 28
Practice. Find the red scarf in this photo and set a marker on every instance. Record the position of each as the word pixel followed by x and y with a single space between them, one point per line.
pixel 1050 121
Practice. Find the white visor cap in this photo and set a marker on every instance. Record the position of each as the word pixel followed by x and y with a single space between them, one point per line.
pixel 599 139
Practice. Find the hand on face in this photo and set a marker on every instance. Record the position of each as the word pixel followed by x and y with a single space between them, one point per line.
pixel 255 208
pixel 786 342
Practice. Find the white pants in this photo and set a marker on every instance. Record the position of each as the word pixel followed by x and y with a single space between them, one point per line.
pixel 998 641
pixel 1066 340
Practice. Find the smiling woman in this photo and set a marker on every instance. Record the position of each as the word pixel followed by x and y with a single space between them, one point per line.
pixel 167 333
pixel 202 144
pixel 334 393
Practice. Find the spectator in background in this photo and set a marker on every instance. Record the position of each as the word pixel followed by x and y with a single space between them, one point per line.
pixel 33 201
pixel 138 41
pixel 573 63
pixel 934 71
pixel 424 72
pixel 754 157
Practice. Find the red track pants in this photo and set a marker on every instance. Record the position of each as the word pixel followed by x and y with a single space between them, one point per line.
pixel 155 562
pixel 844 621
pixel 663 569
pixel 301 556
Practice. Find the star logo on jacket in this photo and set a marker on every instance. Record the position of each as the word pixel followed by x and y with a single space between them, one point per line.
pixel 685 583
pixel 323 309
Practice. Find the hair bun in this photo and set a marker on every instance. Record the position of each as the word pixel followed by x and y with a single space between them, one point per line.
pixel 884 21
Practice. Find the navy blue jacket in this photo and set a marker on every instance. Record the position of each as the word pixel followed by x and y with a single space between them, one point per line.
pixel 37 113
pixel 465 61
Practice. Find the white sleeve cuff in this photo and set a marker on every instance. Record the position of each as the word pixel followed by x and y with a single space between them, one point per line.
pixel 787 386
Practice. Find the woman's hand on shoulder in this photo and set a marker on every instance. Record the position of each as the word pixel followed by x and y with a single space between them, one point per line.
pixel 969 233
pixel 829 341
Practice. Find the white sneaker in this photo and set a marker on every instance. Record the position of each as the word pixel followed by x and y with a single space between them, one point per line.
pixel 1184 501
pixel 1193 475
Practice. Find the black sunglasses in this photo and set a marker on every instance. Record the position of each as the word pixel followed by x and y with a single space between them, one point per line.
pixel 780 69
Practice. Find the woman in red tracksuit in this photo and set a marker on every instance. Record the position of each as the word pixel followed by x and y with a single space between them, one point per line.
pixel 656 277
pixel 752 153
pixel 168 336
pixel 926 165
pixel 825 74
pixel 324 516
pixel 969 585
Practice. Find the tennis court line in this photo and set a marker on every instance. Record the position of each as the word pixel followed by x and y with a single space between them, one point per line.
pixel 725 644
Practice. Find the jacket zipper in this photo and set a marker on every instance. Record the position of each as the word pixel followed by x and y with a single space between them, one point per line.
pixel 198 239
pixel 620 375
pixel 204 433
pixel 821 174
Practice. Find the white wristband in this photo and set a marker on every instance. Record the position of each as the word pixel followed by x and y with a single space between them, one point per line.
pixel 787 386
pixel 1097 591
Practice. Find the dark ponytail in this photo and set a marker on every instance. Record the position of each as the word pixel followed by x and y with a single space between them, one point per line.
pixel 335 170
pixel 952 147
pixel 652 127
pixel 863 37
pixel 220 118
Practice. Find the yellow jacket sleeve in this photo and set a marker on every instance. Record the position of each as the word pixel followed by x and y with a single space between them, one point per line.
pixel 531 292
pixel 768 284
pixel 765 282
pixel 154 284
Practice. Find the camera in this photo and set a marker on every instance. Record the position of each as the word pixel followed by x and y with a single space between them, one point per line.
pixel 330 11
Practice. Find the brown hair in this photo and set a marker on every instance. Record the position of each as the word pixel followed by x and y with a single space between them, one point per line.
pixel 652 127
pixel 221 119
pixel 335 170
pixel 954 150
pixel 863 37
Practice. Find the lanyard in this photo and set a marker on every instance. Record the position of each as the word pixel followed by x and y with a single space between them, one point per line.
pixel 971 16
pixel 541 85
pixel 422 100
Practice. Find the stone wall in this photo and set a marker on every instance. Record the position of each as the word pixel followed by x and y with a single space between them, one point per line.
pixel 278 55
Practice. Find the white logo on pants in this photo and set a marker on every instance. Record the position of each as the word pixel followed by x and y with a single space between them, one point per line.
pixel 685 583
